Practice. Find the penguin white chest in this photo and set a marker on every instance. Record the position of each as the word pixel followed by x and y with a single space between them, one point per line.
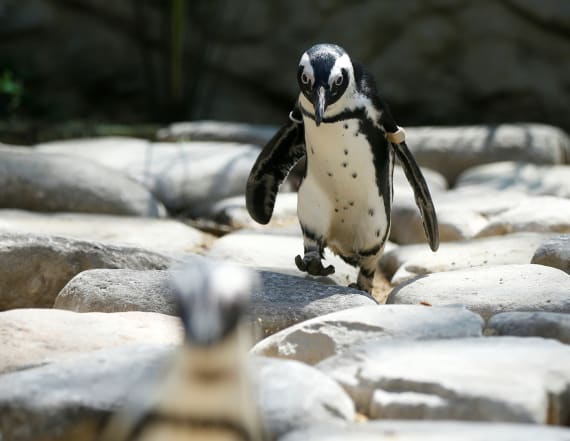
pixel 339 198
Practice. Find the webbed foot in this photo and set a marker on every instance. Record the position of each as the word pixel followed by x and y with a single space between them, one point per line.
pixel 311 263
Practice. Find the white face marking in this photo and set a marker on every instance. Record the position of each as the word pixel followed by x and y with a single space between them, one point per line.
pixel 341 63
pixel 305 63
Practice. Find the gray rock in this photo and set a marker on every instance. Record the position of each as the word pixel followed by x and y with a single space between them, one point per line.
pixel 489 290
pixel 531 324
pixel 233 212
pixel 452 150
pixel 554 252
pixel 281 302
pixel 522 177
pixel 455 223
pixel 294 395
pixel 105 290
pixel 75 396
pixel 217 131
pixel 314 340
pixel 186 177
pixel 159 235
pixel 507 379
pixel 36 181
pixel 70 399
pixel 34 268
pixel 436 430
pixel 32 337
pixel 406 262
pixel 276 253
pixel 541 214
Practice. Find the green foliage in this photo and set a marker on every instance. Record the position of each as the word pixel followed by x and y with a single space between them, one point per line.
pixel 11 92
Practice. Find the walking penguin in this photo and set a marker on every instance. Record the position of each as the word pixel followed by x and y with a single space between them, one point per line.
pixel 206 394
pixel 348 137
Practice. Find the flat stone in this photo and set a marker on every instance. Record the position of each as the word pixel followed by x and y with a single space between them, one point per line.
pixel 32 337
pixel 314 340
pixel 554 252
pixel 37 181
pixel 488 290
pixel 233 212
pixel 276 253
pixel 187 177
pixel 452 150
pixel 454 223
pixel 73 397
pixel 159 235
pixel 34 268
pixel 281 302
pixel 540 214
pixel 531 324
pixel 522 177
pixel 217 131
pixel 508 379
pixel 430 430
pixel 409 261
pixel 294 395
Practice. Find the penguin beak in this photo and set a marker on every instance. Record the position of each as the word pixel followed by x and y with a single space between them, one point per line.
pixel 320 104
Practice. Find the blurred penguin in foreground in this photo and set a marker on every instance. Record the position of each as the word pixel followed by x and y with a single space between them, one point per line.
pixel 206 394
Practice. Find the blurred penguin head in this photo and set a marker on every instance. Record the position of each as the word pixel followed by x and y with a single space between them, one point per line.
pixel 212 298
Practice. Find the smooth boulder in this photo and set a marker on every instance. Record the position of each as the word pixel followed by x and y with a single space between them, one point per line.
pixel 314 340
pixel 507 379
pixel 33 337
pixel 531 324
pixel 488 290
pixel 554 252
pixel 34 268
pixel 280 302
pixel 32 180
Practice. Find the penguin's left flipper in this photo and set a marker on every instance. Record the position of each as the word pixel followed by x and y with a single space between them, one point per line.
pixel 421 192
pixel 272 166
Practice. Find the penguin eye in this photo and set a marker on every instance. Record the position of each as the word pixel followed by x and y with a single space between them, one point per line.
pixel 338 80
pixel 305 78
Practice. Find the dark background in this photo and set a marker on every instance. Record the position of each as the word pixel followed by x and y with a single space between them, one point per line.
pixel 153 62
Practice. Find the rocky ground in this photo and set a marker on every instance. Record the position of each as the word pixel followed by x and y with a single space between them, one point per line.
pixel 476 333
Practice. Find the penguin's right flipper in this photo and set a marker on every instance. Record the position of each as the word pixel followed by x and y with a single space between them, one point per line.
pixel 272 166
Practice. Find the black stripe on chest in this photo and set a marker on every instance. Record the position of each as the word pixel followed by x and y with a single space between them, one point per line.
pixel 358 113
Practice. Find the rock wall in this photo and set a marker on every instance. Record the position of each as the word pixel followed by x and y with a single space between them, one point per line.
pixel 436 61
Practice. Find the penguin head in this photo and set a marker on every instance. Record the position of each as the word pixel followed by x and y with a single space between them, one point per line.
pixel 324 74
pixel 212 298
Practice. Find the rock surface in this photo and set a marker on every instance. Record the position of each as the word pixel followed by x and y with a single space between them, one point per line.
pixel 451 150
pixel 554 252
pixel 531 324
pixel 406 262
pixel 281 302
pixel 539 214
pixel 32 337
pixel 518 176
pixel 430 430
pixel 489 290
pixel 159 235
pixel 217 131
pixel 186 177
pixel 276 253
pixel 34 268
pixel 76 395
pixel 294 395
pixel 314 340
pixel 490 379
pixel 43 182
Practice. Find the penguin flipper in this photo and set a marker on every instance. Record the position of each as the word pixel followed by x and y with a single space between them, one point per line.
pixel 421 192
pixel 271 168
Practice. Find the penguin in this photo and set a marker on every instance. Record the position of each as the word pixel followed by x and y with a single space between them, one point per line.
pixel 349 139
pixel 206 394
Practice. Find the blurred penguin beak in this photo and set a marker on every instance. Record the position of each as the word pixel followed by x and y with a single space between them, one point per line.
pixel 320 104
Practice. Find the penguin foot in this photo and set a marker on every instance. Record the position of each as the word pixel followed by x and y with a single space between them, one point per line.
pixel 312 264
pixel 360 288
